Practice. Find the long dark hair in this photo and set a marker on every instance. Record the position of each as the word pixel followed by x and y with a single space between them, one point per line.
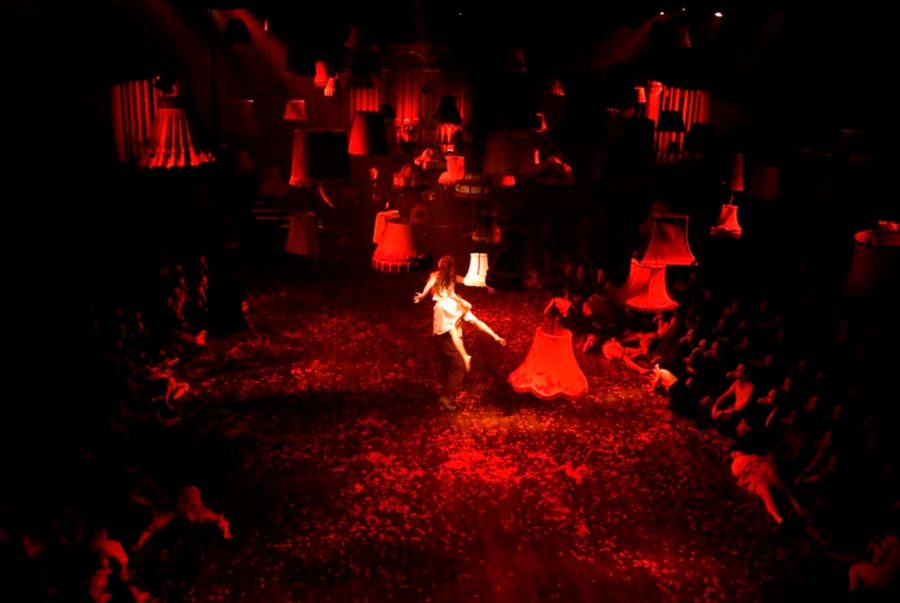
pixel 446 274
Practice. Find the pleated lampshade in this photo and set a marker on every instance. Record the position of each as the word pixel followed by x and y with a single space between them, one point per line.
pixel 172 143
pixel 645 289
pixel 669 242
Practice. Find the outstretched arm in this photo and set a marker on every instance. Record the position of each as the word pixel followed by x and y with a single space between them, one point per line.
pixel 432 279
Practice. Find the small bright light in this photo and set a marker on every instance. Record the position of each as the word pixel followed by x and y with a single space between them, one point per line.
pixel 662 13
pixel 460 13
pixel 266 25
pixel 683 9
pixel 717 14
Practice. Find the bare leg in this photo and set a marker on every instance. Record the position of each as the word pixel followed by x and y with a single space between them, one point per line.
pixel 482 326
pixel 456 336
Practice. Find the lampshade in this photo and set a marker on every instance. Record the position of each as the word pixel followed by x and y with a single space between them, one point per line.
pixel 321 78
pixel 472 185
pixel 295 110
pixel 456 169
pixel 556 88
pixel 669 242
pixel 736 183
pixel 396 252
pixel 670 121
pixel 319 155
pixel 447 112
pixel 875 268
pixel 172 143
pixel 640 95
pixel 478 268
pixel 701 138
pixel 238 122
pixel 303 238
pixel 550 369
pixel 368 135
pixel 331 86
pixel 727 225
pixel 645 289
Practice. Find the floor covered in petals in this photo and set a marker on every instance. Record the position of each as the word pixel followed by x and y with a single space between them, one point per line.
pixel 344 479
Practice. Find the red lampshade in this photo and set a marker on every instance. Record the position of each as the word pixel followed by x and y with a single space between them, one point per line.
pixel 550 369
pixel 295 110
pixel 669 242
pixel 456 169
pixel 321 78
pixel 396 252
pixel 727 225
pixel 368 135
pixel 645 289
pixel 556 88
pixel 875 268
pixel 172 143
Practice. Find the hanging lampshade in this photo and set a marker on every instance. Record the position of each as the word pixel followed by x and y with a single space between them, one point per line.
pixel 766 182
pixel 303 237
pixel 319 155
pixel 727 225
pixel 447 112
pixel 456 169
pixel 321 78
pixel 295 110
pixel 670 121
pixel 669 242
pixel 550 369
pixel 381 220
pixel 645 289
pixel 701 138
pixel 172 143
pixel 640 95
pixel 478 268
pixel 875 268
pixel 472 185
pixel 396 252
pixel 238 122
pixel 332 86
pixel 368 135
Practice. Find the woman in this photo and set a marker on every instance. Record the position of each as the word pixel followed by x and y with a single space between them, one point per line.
pixel 450 310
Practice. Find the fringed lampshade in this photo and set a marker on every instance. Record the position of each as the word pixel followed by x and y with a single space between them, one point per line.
pixel 645 289
pixel 456 169
pixel 396 252
pixel 875 268
pixel 319 155
pixel 478 269
pixel 550 369
pixel 303 238
pixel 472 185
pixel 172 143
pixel 736 183
pixel 295 110
pixel 447 112
pixel 368 135
pixel 727 226
pixel 669 242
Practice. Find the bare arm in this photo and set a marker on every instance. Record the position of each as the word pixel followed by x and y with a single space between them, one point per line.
pixel 432 279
